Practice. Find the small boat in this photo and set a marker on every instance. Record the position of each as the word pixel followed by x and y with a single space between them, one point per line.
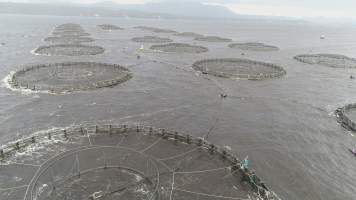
pixel 353 151
pixel 322 37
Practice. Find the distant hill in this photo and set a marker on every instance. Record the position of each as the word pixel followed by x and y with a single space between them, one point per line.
pixel 176 8
pixel 74 10
pixel 165 10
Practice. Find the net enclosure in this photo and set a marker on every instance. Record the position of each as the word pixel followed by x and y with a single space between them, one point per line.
pixel 70 33
pixel 70 76
pixel 155 30
pixel 179 48
pixel 237 68
pixel 108 162
pixel 189 34
pixel 253 46
pixel 151 39
pixel 109 27
pixel 69 50
pixel 213 39
pixel 330 60
pixel 68 39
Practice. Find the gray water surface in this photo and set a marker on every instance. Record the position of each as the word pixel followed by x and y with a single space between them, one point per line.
pixel 286 126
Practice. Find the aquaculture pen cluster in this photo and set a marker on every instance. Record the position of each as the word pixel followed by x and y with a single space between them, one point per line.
pixel 236 166
pixel 69 37
pixel 215 67
pixel 69 76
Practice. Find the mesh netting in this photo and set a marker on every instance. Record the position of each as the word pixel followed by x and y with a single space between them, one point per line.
pixel 69 30
pixel 213 39
pixel 155 30
pixel 70 33
pixel 68 39
pixel 239 68
pixel 189 34
pixel 123 162
pixel 330 60
pixel 109 27
pixel 151 39
pixel 254 46
pixel 62 77
pixel 69 50
pixel 347 116
pixel 179 48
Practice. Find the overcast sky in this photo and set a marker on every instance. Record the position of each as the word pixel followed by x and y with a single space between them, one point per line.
pixel 294 8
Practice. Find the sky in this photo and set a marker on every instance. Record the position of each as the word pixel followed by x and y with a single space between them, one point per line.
pixel 289 8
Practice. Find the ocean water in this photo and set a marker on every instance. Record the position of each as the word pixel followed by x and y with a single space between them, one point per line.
pixel 286 125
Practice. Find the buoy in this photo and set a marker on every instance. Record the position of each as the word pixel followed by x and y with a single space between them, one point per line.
pixel 322 37
pixel 223 95
pixel 142 47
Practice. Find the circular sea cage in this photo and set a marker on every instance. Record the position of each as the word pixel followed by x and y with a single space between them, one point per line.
pixel 346 116
pixel 213 39
pixel 254 46
pixel 70 33
pixel 68 26
pixel 71 76
pixel 61 29
pixel 70 39
pixel 179 48
pixel 237 68
pixel 151 39
pixel 155 30
pixel 189 34
pixel 69 50
pixel 109 27
pixel 330 60
pixel 124 162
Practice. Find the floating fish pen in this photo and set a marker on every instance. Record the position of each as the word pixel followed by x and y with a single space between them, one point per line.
pixel 69 50
pixel 69 26
pixel 179 48
pixel 124 162
pixel 70 33
pixel 155 30
pixel 151 39
pixel 68 39
pixel 213 39
pixel 346 116
pixel 189 34
pixel 237 68
pixel 109 27
pixel 253 46
pixel 330 60
pixel 70 76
